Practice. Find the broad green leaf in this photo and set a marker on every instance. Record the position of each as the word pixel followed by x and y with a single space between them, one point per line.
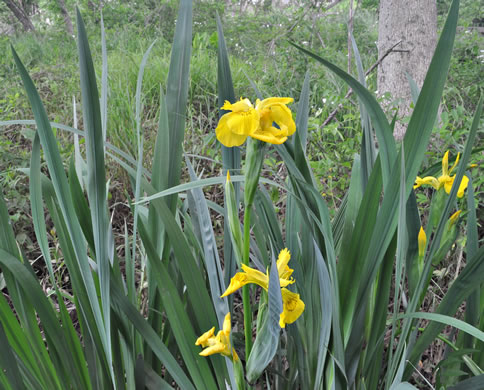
pixel 9 363
pixel 151 338
pixel 181 324
pixel 59 180
pixel 177 92
pixel 96 178
pixel 474 383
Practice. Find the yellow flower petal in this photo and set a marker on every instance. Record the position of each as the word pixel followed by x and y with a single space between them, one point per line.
pixel 446 182
pixel 203 339
pixel 453 218
pixel 234 127
pixel 248 275
pixel 269 138
pixel 227 326
pixel 428 180
pixel 283 269
pixel 218 344
pixel 455 163
pixel 422 241
pixel 274 110
pixel 445 164
pixel 217 348
pixel 225 134
pixel 463 185
pixel 293 307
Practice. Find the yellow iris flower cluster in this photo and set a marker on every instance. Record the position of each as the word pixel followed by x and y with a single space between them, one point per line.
pixel 293 306
pixel 445 180
pixel 219 343
pixel 257 122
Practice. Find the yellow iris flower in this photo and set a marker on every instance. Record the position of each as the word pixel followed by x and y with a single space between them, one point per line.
pixel 251 275
pixel 245 120
pixel 445 180
pixel 293 306
pixel 274 110
pixel 218 344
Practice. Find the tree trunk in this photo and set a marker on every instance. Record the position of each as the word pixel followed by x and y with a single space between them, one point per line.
pixel 65 15
pixel 414 22
pixel 20 14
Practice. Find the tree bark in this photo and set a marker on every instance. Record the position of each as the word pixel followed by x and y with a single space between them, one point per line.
pixel 65 15
pixel 20 14
pixel 414 22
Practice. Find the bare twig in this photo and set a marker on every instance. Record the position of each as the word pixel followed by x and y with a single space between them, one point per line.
pixel 350 91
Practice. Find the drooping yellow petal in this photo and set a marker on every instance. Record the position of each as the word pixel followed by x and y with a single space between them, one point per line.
pixel 248 275
pixel 203 339
pixel 428 180
pixel 266 136
pixel 216 348
pixel 422 241
pixel 293 307
pixel 445 164
pixel 226 136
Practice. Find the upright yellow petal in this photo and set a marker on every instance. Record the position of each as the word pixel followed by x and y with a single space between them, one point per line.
pixel 282 267
pixel 445 164
pixel 227 325
pixel 455 163
pixel 422 241
pixel 293 307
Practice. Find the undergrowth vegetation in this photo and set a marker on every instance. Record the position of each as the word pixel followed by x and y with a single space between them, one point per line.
pixel 126 198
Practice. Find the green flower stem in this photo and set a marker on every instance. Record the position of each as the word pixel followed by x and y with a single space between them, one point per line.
pixel 245 289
